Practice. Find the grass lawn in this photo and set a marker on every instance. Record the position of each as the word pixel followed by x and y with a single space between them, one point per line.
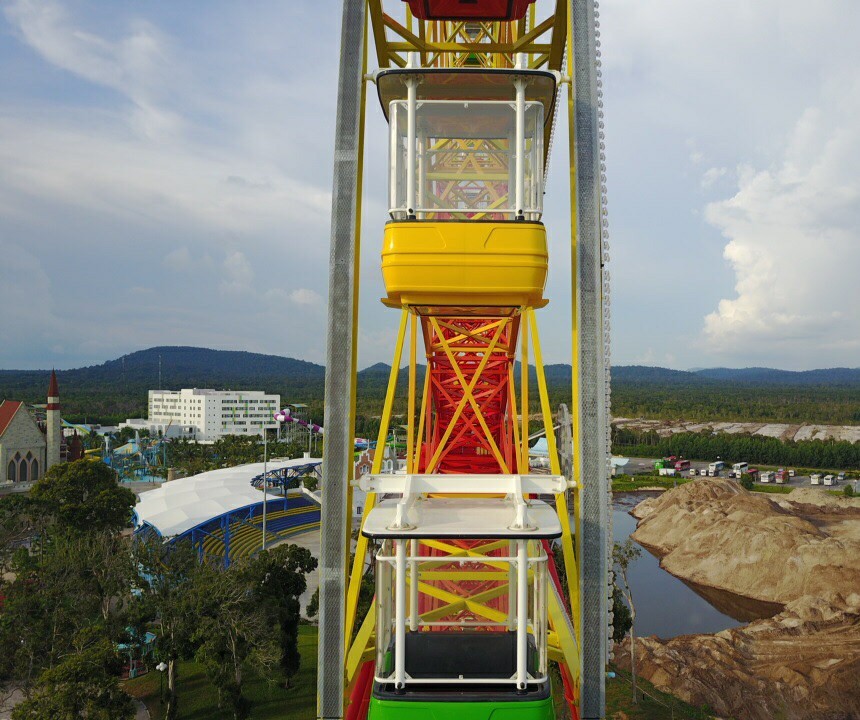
pixel 632 483
pixel 198 700
pixel 652 705
pixel 627 483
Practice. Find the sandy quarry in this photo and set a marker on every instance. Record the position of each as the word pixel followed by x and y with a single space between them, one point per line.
pixel 851 433
pixel 799 552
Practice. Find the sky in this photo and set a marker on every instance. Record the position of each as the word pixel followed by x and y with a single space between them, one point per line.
pixel 165 179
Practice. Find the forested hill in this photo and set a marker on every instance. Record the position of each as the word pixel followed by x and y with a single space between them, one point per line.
pixel 117 389
pixel 847 377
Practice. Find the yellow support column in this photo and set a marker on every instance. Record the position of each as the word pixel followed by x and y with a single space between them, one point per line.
pixel 570 558
pixel 524 392
pixel 361 544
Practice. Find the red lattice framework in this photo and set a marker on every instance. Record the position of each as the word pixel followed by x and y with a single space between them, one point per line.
pixel 470 413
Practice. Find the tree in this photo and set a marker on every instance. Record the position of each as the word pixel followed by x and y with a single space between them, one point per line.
pixel 76 581
pixel 21 519
pixel 83 685
pixel 278 578
pixel 167 601
pixel 84 496
pixel 747 482
pixel 313 607
pixel 623 554
pixel 233 632
pixel 622 620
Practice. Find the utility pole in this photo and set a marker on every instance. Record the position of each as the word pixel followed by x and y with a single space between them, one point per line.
pixel 265 479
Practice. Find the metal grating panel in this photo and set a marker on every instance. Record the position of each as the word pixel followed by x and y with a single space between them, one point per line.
pixel 339 379
pixel 593 455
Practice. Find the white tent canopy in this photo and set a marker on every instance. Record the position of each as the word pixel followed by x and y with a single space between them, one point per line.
pixel 179 505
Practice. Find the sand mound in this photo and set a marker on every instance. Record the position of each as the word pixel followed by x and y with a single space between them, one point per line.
pixel 715 533
pixel 801 551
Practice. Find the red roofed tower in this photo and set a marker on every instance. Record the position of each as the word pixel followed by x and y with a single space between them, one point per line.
pixel 54 435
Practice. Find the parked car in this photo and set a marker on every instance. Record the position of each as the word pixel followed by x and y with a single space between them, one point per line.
pixel 791 473
pixel 693 472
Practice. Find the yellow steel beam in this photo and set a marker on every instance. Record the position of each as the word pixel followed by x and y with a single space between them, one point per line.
pixel 413 42
pixel 457 551
pixel 575 329
pixel 374 8
pixel 515 421
pixel 524 392
pixel 464 575
pixel 566 637
pixel 532 34
pixel 356 260
pixel 361 545
pixel 355 656
pixel 559 36
pixel 410 404
pixel 474 604
pixel 465 47
pixel 424 398
pixel 570 558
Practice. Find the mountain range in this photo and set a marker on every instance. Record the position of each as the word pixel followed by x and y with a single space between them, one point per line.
pixel 119 386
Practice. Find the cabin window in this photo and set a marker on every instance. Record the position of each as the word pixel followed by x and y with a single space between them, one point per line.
pixel 463 166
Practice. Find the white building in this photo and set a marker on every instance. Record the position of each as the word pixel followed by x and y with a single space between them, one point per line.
pixel 206 415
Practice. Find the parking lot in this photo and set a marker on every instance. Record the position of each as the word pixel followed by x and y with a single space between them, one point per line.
pixel 645 466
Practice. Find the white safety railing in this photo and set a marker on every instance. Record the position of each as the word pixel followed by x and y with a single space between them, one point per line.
pixel 399 572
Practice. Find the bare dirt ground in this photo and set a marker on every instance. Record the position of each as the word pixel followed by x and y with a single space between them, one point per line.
pixel 851 433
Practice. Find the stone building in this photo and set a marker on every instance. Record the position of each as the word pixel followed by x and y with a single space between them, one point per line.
pixel 27 449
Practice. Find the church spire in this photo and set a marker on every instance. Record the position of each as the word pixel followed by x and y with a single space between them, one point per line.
pixel 53 392
pixel 54 431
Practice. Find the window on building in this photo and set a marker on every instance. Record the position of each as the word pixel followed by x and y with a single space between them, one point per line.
pixel 11 471
pixel 34 469
pixel 24 470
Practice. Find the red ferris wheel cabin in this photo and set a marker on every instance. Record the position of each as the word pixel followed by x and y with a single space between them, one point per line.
pixel 469 9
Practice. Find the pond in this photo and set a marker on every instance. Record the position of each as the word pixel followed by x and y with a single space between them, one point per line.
pixel 667 606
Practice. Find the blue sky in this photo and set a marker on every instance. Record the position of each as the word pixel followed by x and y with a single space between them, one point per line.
pixel 165 173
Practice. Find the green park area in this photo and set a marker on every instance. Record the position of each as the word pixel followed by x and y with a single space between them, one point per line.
pixel 268 698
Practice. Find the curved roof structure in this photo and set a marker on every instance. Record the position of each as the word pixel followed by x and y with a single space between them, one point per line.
pixel 180 505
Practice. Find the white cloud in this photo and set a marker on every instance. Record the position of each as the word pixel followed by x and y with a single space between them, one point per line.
pixel 238 276
pixel 711 176
pixel 135 65
pixel 304 296
pixel 794 243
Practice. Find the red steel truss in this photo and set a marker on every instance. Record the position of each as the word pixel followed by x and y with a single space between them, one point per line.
pixel 470 415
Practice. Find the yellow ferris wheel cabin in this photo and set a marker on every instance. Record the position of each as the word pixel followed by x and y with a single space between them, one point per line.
pixel 467 153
